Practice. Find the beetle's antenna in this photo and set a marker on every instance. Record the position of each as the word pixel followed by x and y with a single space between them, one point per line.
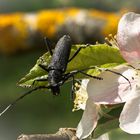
pixel 117 73
pixel 101 69
pixel 48 44
pixel 21 97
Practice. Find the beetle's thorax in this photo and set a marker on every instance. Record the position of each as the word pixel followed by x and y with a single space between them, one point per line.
pixel 54 77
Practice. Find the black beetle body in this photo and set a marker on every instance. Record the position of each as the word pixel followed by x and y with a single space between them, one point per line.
pixel 58 64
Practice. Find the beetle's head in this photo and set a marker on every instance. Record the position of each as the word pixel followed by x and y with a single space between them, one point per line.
pixel 55 90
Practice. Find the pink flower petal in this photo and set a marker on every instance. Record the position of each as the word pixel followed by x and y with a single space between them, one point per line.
pixel 88 121
pixel 128 38
pixel 130 115
pixel 113 89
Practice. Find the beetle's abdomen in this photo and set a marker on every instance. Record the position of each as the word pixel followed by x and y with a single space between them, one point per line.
pixel 61 54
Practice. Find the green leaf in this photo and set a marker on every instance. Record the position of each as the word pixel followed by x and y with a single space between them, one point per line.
pixel 106 127
pixel 109 121
pixel 95 55
pixel 100 55
pixel 36 72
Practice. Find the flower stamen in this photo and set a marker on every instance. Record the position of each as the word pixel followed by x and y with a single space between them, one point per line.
pixel 111 40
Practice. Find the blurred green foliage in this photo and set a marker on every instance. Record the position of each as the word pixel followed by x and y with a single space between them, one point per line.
pixel 33 5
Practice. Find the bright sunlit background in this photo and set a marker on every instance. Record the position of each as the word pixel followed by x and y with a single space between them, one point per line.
pixel 42 112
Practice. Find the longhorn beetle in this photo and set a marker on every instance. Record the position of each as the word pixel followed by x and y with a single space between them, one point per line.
pixel 57 68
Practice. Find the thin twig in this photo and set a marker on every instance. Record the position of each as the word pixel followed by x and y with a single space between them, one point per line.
pixel 62 134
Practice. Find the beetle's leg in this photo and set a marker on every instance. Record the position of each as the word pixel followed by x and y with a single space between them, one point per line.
pixel 73 88
pixel 49 46
pixel 43 67
pixel 40 80
pixel 96 77
pixel 105 69
pixel 120 75
pixel 77 51
pixel 71 74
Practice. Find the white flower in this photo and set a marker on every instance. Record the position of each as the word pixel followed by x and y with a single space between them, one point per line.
pixel 114 89
pixel 85 127
pixel 128 37
pixel 90 116
pixel 81 96
pixel 89 120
